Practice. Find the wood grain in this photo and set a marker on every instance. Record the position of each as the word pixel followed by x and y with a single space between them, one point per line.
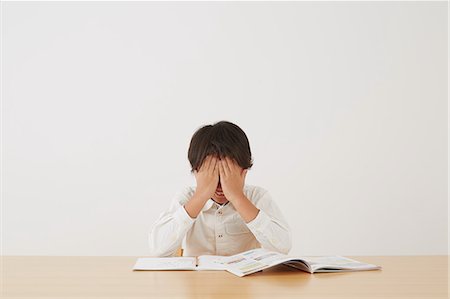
pixel 112 277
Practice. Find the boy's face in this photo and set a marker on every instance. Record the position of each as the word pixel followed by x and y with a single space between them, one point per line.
pixel 218 196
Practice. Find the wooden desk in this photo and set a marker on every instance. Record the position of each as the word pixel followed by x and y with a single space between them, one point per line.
pixel 112 277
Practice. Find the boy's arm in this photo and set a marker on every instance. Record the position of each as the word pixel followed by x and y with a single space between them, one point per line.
pixel 263 218
pixel 194 206
pixel 167 233
pixel 266 222
pixel 169 230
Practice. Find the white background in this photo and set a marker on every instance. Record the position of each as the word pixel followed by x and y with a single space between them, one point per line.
pixel 344 104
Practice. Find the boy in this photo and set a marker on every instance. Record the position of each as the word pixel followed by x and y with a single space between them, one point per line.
pixel 221 215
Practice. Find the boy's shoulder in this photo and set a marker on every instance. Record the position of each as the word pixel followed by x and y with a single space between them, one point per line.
pixel 254 192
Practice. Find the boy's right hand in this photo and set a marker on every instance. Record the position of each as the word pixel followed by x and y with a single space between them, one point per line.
pixel 207 177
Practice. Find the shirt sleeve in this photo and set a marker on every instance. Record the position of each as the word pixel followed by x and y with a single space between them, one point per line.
pixel 269 226
pixel 167 233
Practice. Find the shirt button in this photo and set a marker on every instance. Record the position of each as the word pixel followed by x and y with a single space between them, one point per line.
pixel 220 236
pixel 220 212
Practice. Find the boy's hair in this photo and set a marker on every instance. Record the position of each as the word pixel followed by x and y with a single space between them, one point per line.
pixel 223 139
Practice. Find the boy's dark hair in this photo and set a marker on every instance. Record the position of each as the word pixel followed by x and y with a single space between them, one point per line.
pixel 223 139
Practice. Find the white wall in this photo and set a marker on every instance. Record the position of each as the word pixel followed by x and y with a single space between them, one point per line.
pixel 344 104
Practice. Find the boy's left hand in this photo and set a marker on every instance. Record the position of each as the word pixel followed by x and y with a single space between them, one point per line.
pixel 232 178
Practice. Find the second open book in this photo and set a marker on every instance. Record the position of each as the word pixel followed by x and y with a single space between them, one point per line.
pixel 252 261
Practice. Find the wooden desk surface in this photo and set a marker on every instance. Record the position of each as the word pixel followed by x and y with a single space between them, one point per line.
pixel 112 277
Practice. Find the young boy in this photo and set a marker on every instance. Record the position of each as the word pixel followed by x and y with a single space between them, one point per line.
pixel 221 215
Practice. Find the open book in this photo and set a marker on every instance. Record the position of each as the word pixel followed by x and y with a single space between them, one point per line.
pixel 259 259
pixel 252 261
pixel 203 262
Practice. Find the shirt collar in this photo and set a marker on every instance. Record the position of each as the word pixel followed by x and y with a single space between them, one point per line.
pixel 210 203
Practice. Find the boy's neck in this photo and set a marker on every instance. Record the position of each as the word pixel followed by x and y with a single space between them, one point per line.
pixel 221 204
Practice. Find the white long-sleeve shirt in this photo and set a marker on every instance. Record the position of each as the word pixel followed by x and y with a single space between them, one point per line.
pixel 219 229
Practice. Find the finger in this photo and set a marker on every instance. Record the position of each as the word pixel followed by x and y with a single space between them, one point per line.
pixel 216 168
pixel 221 171
pixel 202 166
pixel 213 164
pixel 233 163
pixel 210 162
pixel 228 165
pixel 225 168
pixel 206 163
pixel 236 166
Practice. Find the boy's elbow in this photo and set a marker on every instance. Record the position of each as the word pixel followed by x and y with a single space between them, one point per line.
pixel 280 242
pixel 285 249
pixel 159 253
pixel 153 249
pixel 286 245
pixel 159 249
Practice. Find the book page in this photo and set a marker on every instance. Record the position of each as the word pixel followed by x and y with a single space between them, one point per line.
pixel 211 262
pixel 259 259
pixel 166 263
pixel 336 264
pixel 253 261
pixel 243 266
pixel 269 258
